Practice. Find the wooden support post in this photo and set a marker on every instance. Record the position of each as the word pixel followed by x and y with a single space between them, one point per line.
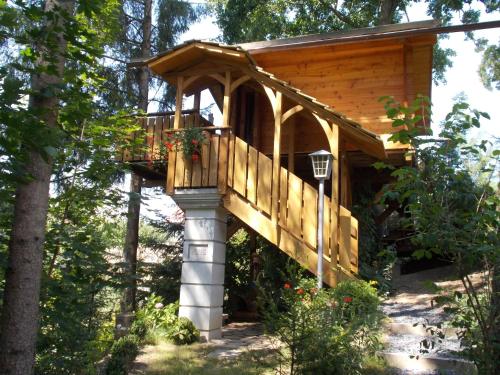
pixel 177 123
pixel 223 145
pixel 196 101
pixel 276 156
pixel 196 107
pixel 291 145
pixel 256 117
pixel 334 215
pixel 343 175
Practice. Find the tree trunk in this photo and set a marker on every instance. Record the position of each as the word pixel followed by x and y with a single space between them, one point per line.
pixel 20 315
pixel 132 235
pixel 387 10
pixel 131 244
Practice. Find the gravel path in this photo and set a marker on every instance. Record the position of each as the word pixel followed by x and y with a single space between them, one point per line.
pixel 412 303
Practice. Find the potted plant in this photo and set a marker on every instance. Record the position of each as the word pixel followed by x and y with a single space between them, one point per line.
pixel 189 141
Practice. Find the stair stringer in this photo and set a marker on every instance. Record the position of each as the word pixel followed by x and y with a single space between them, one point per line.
pixel 281 238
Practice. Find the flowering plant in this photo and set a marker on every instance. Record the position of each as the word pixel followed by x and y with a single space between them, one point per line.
pixel 324 331
pixel 189 141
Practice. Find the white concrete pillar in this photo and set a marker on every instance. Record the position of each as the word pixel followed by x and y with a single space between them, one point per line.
pixel 204 256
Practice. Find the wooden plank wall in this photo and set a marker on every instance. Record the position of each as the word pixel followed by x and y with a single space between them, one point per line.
pixel 352 77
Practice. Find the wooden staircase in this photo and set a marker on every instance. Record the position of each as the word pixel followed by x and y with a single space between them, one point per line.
pixel 284 211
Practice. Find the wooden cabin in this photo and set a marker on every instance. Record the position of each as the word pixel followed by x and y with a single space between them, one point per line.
pixel 281 100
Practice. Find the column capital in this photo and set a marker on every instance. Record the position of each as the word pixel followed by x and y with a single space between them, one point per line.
pixel 198 198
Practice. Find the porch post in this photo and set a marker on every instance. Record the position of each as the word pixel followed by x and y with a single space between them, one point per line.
pixel 177 125
pixel 204 255
pixel 276 156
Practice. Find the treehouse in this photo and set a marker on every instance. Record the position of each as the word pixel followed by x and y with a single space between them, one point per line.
pixel 279 101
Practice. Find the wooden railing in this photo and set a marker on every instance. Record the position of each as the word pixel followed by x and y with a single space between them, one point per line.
pixel 201 172
pixel 227 161
pixel 249 174
pixel 148 144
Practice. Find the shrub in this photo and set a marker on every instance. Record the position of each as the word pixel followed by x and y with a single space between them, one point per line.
pixel 183 332
pixel 327 331
pixel 123 353
pixel 154 322
pixel 153 315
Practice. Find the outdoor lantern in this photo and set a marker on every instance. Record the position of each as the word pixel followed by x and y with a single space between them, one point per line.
pixel 322 164
pixel 322 167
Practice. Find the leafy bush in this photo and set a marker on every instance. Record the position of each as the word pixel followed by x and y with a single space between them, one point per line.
pixel 451 203
pixel 155 321
pixel 153 315
pixel 123 353
pixel 184 332
pixel 327 331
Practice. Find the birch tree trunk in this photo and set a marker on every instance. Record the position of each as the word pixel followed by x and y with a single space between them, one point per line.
pixel 20 315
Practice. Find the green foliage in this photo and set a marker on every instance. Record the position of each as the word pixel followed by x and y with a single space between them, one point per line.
pixel 454 215
pixel 378 261
pixel 237 276
pixel 123 353
pixel 327 331
pixel 155 321
pixel 170 19
pixel 164 237
pixel 183 332
pixel 489 70
pixel 153 315
pixel 79 281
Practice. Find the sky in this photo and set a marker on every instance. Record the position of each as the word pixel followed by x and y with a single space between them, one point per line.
pixel 461 78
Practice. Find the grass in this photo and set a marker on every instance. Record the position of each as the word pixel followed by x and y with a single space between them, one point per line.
pixel 168 359
pixel 165 358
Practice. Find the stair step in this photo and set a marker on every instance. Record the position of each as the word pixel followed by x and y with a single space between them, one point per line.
pixel 419 330
pixel 450 366
pixel 411 344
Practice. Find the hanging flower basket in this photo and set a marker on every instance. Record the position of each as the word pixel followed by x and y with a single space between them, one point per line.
pixel 188 141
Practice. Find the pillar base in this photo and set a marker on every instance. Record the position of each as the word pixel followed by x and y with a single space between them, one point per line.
pixel 204 256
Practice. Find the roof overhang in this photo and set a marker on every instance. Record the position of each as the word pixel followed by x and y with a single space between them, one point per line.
pixel 192 52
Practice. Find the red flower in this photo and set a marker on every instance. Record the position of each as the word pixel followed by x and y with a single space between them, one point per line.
pixel 300 291
pixel 194 142
pixel 195 157
pixel 169 145
pixel 287 285
pixel 347 299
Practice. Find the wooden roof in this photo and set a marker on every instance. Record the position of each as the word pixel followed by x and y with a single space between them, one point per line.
pixel 399 30
pixel 343 36
pixel 194 52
